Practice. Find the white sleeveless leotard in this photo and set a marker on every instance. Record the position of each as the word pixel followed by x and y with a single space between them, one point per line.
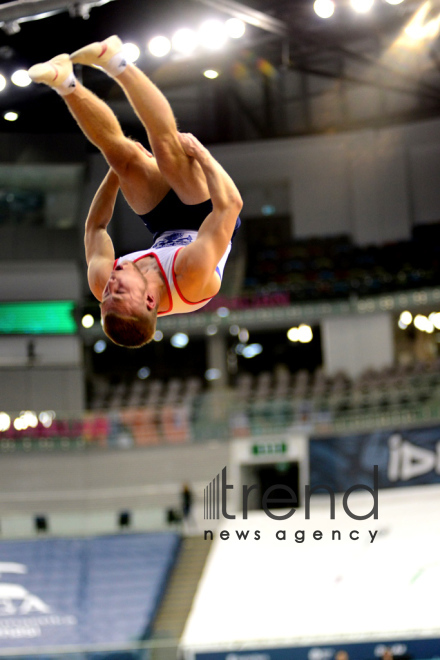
pixel 165 250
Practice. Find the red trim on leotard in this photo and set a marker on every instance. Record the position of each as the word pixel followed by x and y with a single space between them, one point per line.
pixel 181 296
pixel 152 254
pixel 104 48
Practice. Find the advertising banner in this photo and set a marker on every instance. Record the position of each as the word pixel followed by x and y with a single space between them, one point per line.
pixel 404 458
pixel 404 649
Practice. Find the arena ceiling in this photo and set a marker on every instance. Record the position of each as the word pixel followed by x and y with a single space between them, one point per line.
pixel 292 73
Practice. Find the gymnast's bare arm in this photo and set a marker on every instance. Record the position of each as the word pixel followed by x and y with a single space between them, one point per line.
pixel 100 254
pixel 195 264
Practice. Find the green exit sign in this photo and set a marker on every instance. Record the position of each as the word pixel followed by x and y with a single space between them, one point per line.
pixel 269 448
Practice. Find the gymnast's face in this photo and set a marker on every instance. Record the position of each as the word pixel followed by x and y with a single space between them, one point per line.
pixel 126 291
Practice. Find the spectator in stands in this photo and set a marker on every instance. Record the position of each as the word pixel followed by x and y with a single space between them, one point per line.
pixel 187 503
pixel 341 655
pixel 181 193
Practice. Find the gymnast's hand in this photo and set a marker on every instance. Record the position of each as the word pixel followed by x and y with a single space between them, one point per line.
pixel 192 147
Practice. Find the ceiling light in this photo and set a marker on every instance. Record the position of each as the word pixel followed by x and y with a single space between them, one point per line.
pixel 158 335
pixel 243 335
pixel 159 46
pixel 179 340
pixel 143 373
pixel 292 334
pixel 252 350
pixel 100 346
pixel 362 6
pixel 5 421
pixel 211 74
pixel 132 52
pixel 406 317
pixel 420 27
pixel 87 321
pixel 21 78
pixel 394 2
pixel 223 312
pixel 184 41
pixel 422 323
pixel 213 374
pixel 26 419
pixel 212 34
pixel 305 334
pixel 235 28
pixel 324 8
pixel 211 330
pixel 2 82
pixel 11 115
pixel 46 418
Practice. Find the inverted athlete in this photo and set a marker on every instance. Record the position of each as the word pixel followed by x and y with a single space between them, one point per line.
pixel 182 194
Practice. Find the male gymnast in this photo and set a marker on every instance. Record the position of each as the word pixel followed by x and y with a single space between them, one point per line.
pixel 182 194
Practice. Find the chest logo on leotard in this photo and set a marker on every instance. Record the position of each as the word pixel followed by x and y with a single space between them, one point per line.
pixel 175 238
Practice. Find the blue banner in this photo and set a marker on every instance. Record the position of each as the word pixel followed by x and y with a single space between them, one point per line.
pixel 414 648
pixel 404 458
pixel 105 590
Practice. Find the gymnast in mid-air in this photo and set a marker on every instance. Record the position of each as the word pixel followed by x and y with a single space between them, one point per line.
pixel 183 195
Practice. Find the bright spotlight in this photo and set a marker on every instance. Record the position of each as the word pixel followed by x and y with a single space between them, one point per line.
pixel 435 319
pixel 26 419
pixel 423 324
pixel 324 8
pixel 11 115
pixel 420 27
pixel 406 317
pixel 132 52
pixel 46 418
pixel 211 74
pixel 87 321
pixel 394 2
pixel 5 421
pixel 212 34
pixel 184 41
pixel 235 28
pixel 292 334
pixel 18 424
pixel 21 78
pixel 2 82
pixel 179 340
pixel 159 46
pixel 362 6
pixel 305 334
